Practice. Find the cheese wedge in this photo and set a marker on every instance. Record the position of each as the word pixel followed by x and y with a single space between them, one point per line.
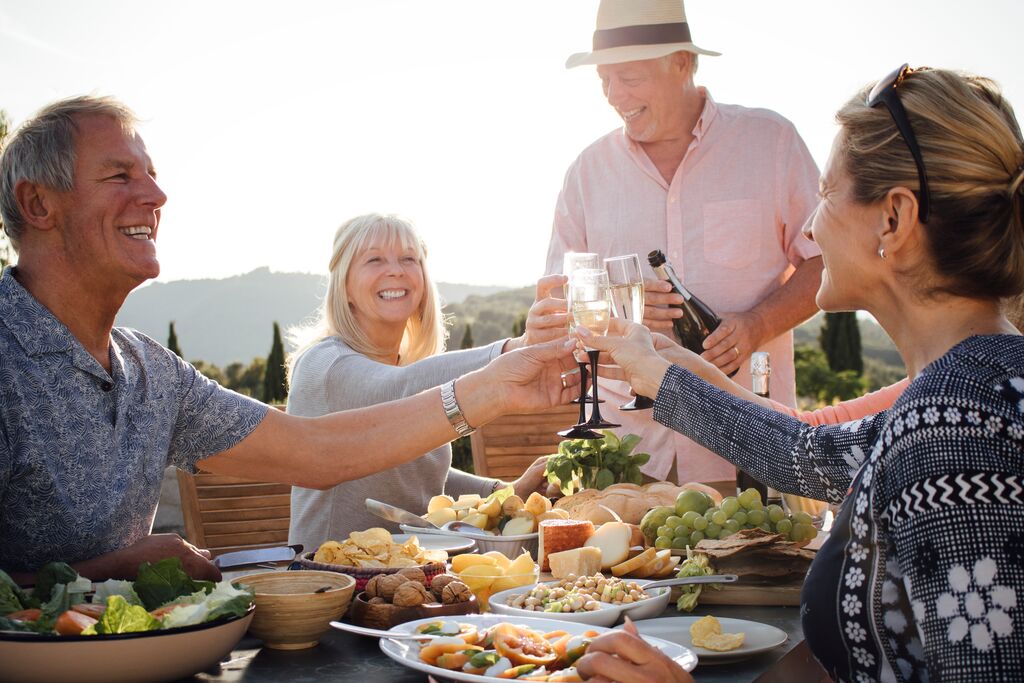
pixel 578 561
pixel 557 535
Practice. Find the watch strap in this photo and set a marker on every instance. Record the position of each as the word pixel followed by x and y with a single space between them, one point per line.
pixel 452 410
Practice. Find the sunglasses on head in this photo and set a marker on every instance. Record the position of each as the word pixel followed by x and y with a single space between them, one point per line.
pixel 884 92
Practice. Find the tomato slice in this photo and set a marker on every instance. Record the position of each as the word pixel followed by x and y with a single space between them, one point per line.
pixel 523 646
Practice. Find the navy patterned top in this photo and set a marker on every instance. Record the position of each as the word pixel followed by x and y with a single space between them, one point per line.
pixel 82 452
pixel 921 576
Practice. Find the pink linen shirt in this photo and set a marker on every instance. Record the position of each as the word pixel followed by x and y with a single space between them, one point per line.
pixel 729 222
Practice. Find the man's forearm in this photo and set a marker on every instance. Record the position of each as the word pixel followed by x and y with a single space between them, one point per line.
pixel 793 302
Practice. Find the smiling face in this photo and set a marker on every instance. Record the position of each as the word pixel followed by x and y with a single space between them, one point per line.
pixel 845 232
pixel 109 219
pixel 385 288
pixel 650 95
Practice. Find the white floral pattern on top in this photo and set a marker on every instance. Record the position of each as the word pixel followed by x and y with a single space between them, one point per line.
pixel 965 605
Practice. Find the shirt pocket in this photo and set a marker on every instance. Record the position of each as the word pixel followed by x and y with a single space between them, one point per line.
pixel 733 233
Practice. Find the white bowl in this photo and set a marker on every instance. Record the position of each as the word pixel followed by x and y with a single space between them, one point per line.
pixel 144 657
pixel 606 615
pixel 509 546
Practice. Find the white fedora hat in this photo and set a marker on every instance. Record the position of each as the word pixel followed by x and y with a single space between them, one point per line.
pixel 631 30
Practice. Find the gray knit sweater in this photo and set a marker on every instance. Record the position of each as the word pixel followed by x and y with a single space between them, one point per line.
pixel 330 377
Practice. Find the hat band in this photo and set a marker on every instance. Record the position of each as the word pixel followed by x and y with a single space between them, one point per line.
pixel 647 34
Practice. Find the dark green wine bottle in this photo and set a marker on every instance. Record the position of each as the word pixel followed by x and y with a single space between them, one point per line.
pixel 698 320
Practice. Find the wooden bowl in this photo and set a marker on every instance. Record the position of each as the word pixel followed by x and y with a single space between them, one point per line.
pixel 290 614
pixel 386 616
pixel 362 575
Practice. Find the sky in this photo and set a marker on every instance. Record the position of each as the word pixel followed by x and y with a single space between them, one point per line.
pixel 270 124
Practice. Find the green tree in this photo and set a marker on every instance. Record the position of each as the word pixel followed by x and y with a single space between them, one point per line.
pixel 817 381
pixel 840 340
pixel 467 338
pixel 6 251
pixel 250 381
pixel 210 370
pixel 172 341
pixel 275 389
pixel 233 375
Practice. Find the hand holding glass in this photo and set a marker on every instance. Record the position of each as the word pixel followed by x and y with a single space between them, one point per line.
pixel 626 282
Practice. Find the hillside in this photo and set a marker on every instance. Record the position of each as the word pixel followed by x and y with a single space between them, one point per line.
pixel 227 320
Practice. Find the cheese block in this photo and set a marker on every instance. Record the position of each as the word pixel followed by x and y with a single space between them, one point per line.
pixel 557 535
pixel 578 561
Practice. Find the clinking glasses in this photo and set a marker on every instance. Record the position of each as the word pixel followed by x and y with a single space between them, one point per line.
pixel 884 92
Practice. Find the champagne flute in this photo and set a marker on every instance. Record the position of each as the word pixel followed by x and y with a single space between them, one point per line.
pixel 592 309
pixel 627 289
pixel 571 262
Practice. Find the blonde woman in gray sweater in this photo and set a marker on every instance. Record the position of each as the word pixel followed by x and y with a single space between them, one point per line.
pixel 381 337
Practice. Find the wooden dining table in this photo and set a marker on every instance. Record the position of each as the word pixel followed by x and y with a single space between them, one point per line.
pixel 344 657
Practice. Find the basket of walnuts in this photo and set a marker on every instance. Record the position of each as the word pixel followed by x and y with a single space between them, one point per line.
pixel 391 599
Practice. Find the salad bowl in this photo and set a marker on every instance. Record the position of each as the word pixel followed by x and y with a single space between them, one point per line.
pixel 126 658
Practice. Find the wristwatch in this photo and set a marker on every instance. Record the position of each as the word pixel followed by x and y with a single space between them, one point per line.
pixel 452 410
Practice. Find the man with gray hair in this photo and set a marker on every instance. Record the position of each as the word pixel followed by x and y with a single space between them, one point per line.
pixel 722 190
pixel 91 415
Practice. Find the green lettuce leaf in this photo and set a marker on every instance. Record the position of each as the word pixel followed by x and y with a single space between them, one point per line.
pixel 161 582
pixel 224 600
pixel 122 617
pixel 51 575
pixel 116 587
pixel 12 597
pixel 21 626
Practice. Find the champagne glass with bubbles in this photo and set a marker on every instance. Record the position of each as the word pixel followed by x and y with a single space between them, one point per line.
pixel 626 283
pixel 571 262
pixel 592 309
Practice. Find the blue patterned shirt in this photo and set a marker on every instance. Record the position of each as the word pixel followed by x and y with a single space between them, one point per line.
pixel 922 576
pixel 83 451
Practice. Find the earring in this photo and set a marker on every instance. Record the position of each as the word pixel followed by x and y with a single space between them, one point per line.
pixel 881 253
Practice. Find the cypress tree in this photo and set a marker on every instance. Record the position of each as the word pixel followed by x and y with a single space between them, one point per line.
pixel 274 388
pixel 467 338
pixel 840 340
pixel 172 341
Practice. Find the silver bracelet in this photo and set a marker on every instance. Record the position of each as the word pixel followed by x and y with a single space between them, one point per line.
pixel 452 410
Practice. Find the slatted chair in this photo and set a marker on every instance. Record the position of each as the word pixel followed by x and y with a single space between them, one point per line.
pixel 223 514
pixel 504 448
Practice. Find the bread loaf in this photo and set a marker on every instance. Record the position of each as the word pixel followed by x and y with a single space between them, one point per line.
pixel 629 501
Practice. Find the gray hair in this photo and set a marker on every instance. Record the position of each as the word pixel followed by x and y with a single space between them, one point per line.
pixel 42 151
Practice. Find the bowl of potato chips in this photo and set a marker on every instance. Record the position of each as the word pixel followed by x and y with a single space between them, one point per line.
pixel 365 554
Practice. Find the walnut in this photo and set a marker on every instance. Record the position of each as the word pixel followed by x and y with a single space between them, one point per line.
pixel 414 574
pixel 411 594
pixel 378 601
pixel 455 591
pixel 387 584
pixel 438 583
pixel 373 586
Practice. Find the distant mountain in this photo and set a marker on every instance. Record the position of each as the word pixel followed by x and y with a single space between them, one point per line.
pixel 228 320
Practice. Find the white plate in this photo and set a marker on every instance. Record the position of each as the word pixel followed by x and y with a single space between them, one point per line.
pixel 606 616
pixel 451 544
pixel 759 637
pixel 407 652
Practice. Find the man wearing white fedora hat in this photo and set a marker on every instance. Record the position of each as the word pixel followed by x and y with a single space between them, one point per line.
pixel 722 189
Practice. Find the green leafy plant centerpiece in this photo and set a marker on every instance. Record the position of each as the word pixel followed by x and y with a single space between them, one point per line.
pixel 596 463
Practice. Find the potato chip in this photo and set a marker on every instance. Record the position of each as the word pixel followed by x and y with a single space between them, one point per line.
pixel 376 535
pixel 375 548
pixel 327 552
pixel 706 632
pixel 720 642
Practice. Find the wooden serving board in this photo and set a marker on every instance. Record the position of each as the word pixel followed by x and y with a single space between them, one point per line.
pixel 782 595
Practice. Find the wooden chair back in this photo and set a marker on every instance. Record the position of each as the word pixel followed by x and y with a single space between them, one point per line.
pixel 504 448
pixel 223 514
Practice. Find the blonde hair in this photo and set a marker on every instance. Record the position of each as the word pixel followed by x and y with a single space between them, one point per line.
pixel 424 333
pixel 974 158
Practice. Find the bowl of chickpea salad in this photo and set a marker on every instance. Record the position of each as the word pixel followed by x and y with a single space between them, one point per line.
pixel 597 600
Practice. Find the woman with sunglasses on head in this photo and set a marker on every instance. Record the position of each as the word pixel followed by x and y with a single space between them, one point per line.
pixel 380 338
pixel 920 224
